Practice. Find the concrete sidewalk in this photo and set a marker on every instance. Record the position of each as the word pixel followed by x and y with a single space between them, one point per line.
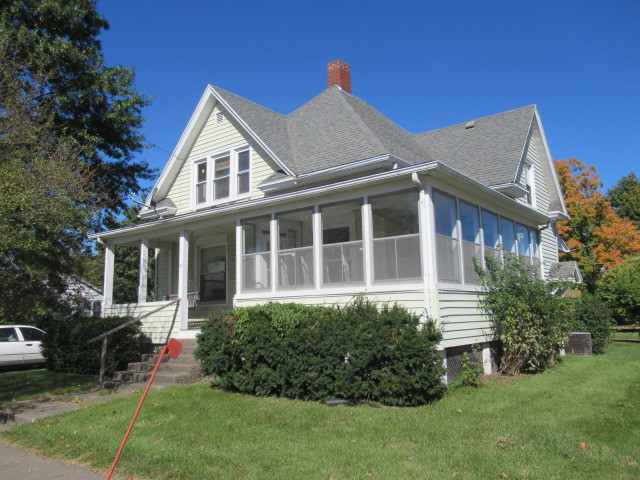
pixel 20 464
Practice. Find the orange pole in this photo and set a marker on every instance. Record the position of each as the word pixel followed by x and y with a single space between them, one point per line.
pixel 135 415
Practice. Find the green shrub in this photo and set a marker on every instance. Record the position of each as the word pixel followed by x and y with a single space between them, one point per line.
pixel 591 314
pixel 471 372
pixel 525 314
pixel 357 353
pixel 620 289
pixel 65 346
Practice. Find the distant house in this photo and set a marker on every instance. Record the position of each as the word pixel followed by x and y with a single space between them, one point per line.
pixel 335 200
pixel 87 297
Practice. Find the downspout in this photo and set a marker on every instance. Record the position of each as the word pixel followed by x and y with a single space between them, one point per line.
pixel 426 294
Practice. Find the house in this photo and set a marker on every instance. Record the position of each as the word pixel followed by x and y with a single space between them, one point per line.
pixel 335 200
pixel 88 298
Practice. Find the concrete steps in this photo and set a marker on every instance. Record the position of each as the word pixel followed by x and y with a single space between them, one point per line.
pixel 172 371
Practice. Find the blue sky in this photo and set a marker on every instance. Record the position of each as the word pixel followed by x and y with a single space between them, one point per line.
pixel 425 65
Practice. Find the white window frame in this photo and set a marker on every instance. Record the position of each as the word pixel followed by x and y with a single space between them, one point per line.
pixel 210 159
pixel 530 183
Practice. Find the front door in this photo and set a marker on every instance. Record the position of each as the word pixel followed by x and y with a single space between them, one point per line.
pixel 213 273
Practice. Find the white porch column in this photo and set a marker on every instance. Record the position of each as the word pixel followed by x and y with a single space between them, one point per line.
pixel 317 247
pixel 109 256
pixel 274 241
pixel 239 260
pixel 183 278
pixel 428 248
pixel 144 265
pixel 367 243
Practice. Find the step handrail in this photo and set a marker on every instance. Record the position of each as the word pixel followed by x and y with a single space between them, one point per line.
pixel 105 335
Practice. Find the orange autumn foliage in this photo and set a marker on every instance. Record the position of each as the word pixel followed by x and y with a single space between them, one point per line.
pixel 595 234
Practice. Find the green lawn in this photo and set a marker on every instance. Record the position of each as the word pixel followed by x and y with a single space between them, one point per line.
pixel 579 421
pixel 37 383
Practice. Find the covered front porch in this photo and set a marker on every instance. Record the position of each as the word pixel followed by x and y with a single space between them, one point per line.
pixel 196 264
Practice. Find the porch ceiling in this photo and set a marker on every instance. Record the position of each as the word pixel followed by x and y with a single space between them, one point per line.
pixel 197 234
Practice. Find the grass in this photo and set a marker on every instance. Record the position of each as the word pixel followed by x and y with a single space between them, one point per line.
pixel 37 383
pixel 626 335
pixel 578 421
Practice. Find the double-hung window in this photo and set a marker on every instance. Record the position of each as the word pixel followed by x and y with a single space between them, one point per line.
pixel 524 244
pixel 222 176
pixel 396 237
pixel 447 247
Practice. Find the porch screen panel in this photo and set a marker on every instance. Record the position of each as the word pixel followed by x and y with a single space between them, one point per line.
pixel 491 235
pixel 342 248
pixel 295 249
pixel 447 245
pixel 507 229
pixel 256 257
pixel 524 244
pixel 396 237
pixel 471 245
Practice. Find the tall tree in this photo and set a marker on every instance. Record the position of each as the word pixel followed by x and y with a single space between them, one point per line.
pixel 625 198
pixel 47 201
pixel 597 237
pixel 95 106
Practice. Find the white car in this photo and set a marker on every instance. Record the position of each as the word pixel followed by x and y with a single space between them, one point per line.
pixel 20 345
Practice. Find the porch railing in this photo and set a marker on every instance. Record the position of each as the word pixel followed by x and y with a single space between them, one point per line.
pixel 105 335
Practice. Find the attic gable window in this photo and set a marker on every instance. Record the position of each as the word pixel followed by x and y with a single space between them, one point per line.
pixel 222 176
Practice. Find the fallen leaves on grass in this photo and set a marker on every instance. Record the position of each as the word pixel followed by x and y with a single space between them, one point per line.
pixel 506 443
pixel 630 462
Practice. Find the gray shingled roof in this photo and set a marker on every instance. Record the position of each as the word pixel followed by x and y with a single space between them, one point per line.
pixel 336 128
pixel 562 270
pixel 489 152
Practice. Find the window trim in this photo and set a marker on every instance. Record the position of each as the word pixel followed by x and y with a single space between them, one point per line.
pixel 234 172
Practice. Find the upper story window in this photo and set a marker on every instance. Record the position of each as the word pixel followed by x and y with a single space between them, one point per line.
pixel 529 184
pixel 223 176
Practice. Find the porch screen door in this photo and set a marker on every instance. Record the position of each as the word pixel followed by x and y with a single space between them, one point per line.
pixel 213 274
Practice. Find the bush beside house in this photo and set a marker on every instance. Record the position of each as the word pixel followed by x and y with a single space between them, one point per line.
pixel 357 353
pixel 65 346
pixel 589 313
pixel 526 316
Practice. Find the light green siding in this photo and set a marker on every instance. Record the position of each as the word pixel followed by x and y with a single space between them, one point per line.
pixel 412 299
pixel 159 327
pixel 461 319
pixel 216 137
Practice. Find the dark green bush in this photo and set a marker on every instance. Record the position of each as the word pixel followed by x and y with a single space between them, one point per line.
pixel 357 352
pixel 65 346
pixel 526 316
pixel 591 314
pixel 620 289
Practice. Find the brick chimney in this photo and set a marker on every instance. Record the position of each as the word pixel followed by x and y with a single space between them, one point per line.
pixel 340 75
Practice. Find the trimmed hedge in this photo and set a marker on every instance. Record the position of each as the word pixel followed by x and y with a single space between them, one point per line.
pixel 65 346
pixel 357 353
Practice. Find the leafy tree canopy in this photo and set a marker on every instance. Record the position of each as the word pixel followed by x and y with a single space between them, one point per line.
pixel 625 198
pixel 596 235
pixel 94 106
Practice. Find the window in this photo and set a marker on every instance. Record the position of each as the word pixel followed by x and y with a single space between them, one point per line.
pixel 447 253
pixel 31 334
pixel 342 249
pixel 256 256
pixel 524 244
pixel 396 237
pixel 507 229
pixel 529 183
pixel 223 176
pixel 471 245
pixel 491 235
pixel 295 249
pixel 8 334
